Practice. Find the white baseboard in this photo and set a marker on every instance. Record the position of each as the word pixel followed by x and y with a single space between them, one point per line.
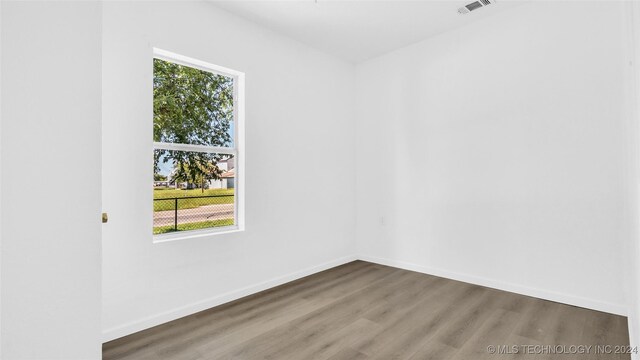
pixel 616 309
pixel 633 339
pixel 633 322
pixel 161 318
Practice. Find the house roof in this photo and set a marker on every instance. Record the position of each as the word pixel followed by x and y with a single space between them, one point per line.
pixel 229 174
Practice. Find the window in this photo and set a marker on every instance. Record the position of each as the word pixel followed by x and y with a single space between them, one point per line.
pixel 197 160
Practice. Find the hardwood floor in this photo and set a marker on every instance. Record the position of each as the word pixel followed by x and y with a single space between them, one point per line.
pixel 368 311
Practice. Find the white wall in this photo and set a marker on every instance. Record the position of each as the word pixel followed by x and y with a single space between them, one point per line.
pixel 0 181
pixel 50 224
pixel 509 154
pixel 299 121
pixel 633 20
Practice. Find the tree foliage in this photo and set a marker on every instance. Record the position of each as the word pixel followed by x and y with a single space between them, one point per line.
pixel 197 172
pixel 159 177
pixel 191 106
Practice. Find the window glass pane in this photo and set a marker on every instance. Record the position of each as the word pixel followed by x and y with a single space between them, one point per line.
pixel 191 106
pixel 192 191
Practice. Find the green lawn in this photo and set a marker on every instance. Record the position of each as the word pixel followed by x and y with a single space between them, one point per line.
pixel 192 226
pixel 190 203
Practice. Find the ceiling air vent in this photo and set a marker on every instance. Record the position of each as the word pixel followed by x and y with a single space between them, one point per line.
pixel 475 5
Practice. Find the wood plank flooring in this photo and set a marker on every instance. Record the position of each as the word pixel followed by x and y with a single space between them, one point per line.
pixel 367 311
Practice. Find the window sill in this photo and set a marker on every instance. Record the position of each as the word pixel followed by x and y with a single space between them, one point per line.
pixel 191 234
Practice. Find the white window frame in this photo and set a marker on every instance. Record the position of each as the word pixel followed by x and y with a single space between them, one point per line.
pixel 237 150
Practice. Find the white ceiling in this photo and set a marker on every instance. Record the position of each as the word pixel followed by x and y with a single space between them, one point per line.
pixel 358 30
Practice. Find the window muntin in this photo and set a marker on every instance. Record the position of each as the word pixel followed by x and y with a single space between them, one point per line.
pixel 196 154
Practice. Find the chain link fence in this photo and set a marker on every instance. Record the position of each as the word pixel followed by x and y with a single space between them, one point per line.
pixel 192 213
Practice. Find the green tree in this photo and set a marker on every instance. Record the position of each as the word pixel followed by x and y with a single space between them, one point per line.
pixel 198 173
pixel 191 106
pixel 159 177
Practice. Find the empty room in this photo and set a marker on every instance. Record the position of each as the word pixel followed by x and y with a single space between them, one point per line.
pixel 319 179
